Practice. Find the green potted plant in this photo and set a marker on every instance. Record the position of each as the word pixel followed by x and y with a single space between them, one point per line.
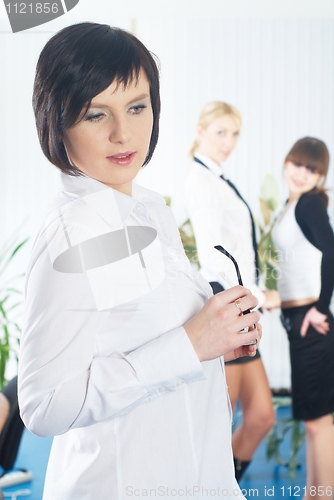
pixel 280 431
pixel 268 257
pixel 189 244
pixel 188 239
pixel 10 302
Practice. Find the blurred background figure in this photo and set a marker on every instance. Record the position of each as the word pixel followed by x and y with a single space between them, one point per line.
pixel 220 216
pixel 305 238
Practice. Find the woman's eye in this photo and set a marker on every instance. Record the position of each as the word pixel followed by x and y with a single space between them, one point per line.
pixel 311 169
pixel 221 132
pixel 96 117
pixel 136 110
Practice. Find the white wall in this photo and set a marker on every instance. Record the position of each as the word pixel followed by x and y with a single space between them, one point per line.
pixel 273 62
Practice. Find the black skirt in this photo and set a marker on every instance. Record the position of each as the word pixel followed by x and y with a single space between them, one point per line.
pixel 312 366
pixel 216 288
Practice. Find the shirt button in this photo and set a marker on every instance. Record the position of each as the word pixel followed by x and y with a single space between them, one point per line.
pixel 140 208
pixel 162 389
pixel 179 382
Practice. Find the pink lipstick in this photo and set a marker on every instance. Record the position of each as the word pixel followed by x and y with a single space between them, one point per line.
pixel 123 159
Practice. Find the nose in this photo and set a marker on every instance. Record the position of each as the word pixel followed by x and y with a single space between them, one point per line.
pixel 228 140
pixel 302 172
pixel 120 130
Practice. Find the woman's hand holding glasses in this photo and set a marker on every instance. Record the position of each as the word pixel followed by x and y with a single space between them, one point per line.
pixel 215 330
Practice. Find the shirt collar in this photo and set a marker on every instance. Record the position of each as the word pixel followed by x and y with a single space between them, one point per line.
pixel 83 186
pixel 216 168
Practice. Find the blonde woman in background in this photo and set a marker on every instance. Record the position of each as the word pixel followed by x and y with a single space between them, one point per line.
pixel 220 216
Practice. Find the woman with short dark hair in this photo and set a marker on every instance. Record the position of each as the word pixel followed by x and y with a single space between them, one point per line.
pixel 59 95
pixel 122 341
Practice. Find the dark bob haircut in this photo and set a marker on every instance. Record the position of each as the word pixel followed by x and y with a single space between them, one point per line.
pixel 78 63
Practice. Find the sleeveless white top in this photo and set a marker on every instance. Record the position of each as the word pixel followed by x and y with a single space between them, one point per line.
pixel 299 275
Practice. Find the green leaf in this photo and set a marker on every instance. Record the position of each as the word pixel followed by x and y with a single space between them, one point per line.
pixel 20 245
pixel 265 211
pixel 168 200
pixel 279 432
pixel 270 277
pixel 10 301
pixel 270 191
pixel 189 243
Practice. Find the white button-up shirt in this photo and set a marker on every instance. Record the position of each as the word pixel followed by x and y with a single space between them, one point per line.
pixel 105 364
pixel 220 217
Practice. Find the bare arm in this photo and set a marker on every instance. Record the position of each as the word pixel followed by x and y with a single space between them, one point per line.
pixel 272 300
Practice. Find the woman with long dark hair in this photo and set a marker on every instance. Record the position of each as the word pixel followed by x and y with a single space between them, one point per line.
pixel 305 240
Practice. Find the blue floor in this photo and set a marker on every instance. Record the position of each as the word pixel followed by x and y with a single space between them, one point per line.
pixel 33 456
pixel 262 479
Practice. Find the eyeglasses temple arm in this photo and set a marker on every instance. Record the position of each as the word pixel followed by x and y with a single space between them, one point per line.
pixel 225 252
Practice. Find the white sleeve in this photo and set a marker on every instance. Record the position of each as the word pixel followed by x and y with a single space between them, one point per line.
pixel 208 216
pixel 207 219
pixel 64 379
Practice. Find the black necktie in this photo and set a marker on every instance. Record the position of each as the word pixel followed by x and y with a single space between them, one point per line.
pixel 251 216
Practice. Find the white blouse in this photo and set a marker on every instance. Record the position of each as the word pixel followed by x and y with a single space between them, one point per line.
pixel 220 217
pixel 299 260
pixel 105 364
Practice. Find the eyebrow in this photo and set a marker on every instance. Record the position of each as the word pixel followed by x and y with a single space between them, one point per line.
pixel 226 129
pixel 101 105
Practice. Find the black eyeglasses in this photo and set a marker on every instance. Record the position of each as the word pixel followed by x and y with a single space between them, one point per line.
pixel 225 252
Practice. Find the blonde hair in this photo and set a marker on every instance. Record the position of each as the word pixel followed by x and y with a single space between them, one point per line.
pixel 209 113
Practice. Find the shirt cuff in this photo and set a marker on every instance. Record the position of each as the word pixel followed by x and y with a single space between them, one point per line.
pixel 323 309
pixel 167 363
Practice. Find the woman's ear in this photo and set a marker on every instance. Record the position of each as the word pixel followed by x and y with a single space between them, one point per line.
pixel 200 131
